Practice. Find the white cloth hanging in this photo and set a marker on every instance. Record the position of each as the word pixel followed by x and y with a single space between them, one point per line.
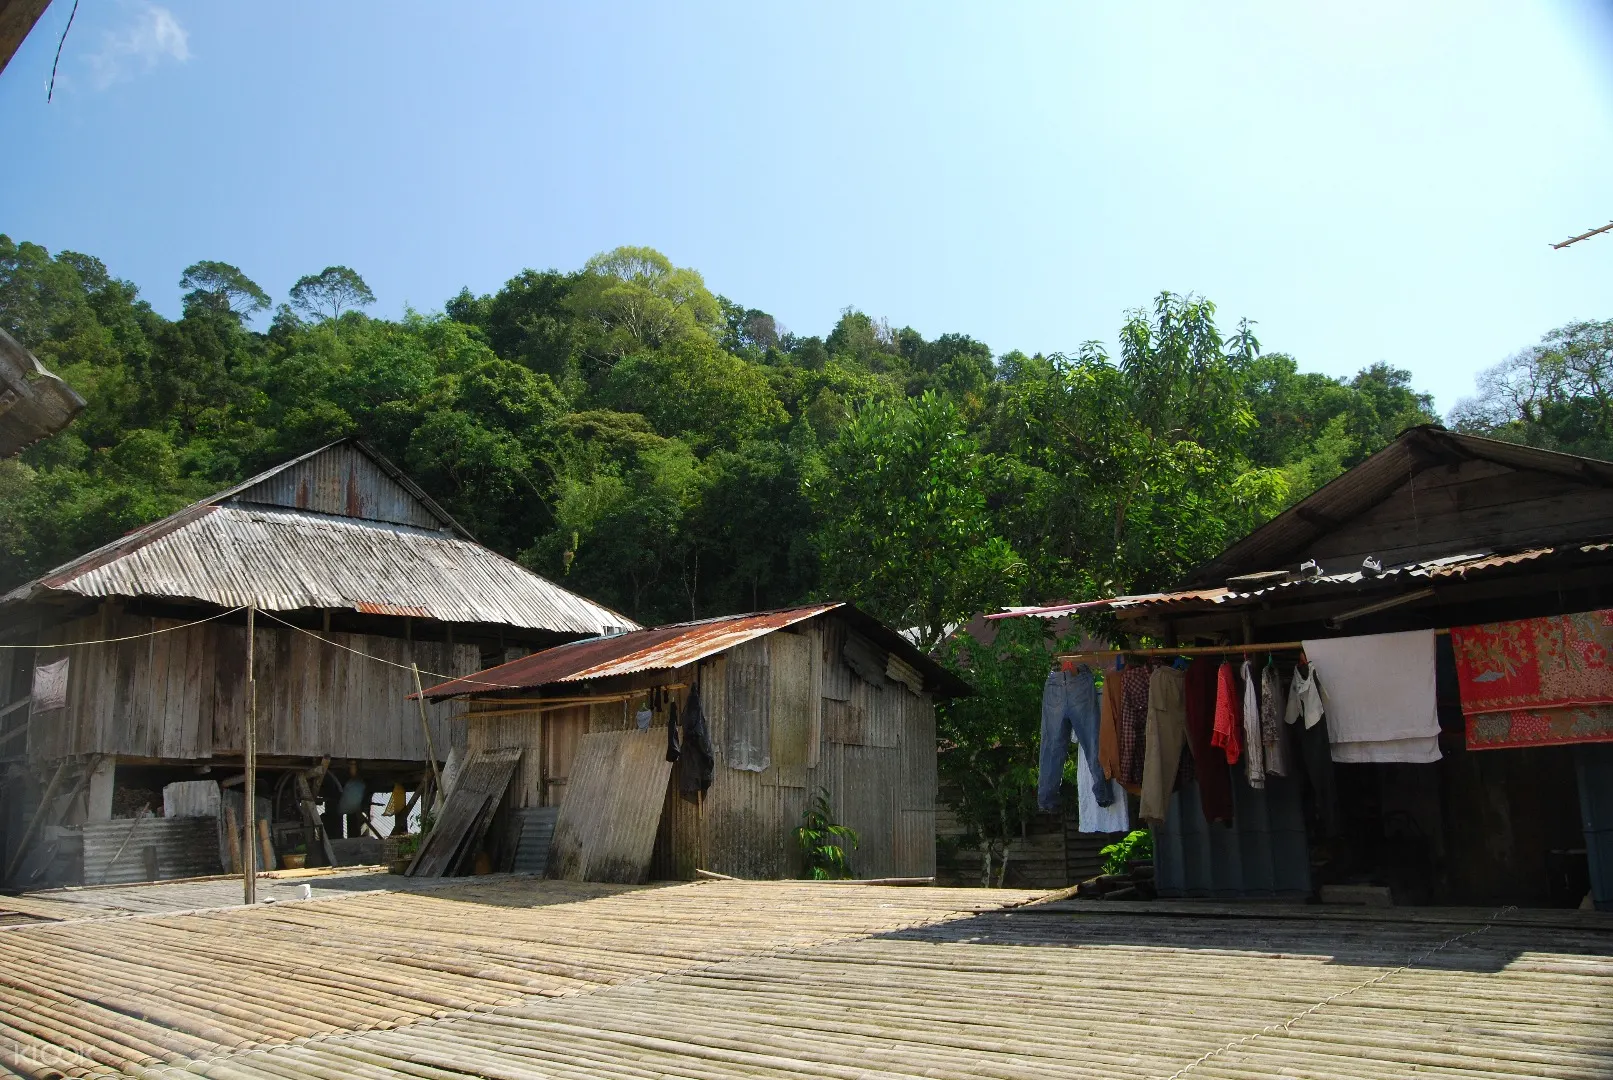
pixel 1093 818
pixel 1378 694
pixel 50 686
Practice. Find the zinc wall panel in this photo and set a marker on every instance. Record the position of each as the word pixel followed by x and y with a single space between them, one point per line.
pixel 743 836
pixel 790 697
pixel 747 727
pixel 837 676
pixel 344 482
pixel 918 755
pixel 913 848
pixel 607 825
pixel 114 851
pixel 845 722
pixel 862 782
pixel 524 730
pixel 883 709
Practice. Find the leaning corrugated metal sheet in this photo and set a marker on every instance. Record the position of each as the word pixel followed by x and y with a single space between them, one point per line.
pixel 288 559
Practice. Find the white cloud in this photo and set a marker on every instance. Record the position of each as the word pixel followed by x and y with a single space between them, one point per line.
pixel 151 37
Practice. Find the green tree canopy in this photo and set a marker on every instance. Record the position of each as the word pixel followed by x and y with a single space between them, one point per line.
pixel 906 531
pixel 331 291
pixel 220 287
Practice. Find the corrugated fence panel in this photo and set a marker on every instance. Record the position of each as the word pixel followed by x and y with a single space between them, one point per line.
pixel 607 824
pixel 863 783
pixel 837 676
pixel 790 696
pixel 117 852
pixel 747 728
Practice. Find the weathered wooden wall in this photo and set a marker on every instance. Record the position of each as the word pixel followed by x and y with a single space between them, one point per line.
pixel 872 748
pixel 1474 506
pixel 787 716
pixel 182 695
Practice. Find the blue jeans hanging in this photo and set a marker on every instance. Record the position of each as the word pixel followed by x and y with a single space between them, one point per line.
pixel 1069 714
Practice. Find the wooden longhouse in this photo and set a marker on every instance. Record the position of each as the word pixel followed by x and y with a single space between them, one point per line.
pixel 796 701
pixel 355 573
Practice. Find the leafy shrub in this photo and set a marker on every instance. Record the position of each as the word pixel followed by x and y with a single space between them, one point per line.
pixel 823 842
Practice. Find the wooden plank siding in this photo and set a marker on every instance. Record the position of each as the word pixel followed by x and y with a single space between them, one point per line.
pixel 182 695
pixel 768 700
pixel 1474 506
pixel 874 752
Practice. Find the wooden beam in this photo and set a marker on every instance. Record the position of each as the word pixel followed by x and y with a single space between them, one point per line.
pixel 17 17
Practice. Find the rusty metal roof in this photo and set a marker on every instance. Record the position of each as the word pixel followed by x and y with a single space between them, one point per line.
pixel 1452 566
pixel 664 648
pixel 232 550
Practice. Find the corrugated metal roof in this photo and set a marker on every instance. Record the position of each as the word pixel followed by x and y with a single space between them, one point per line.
pixel 658 648
pixel 281 559
pixel 1459 566
pixel 1284 538
pixel 663 648
pixel 34 403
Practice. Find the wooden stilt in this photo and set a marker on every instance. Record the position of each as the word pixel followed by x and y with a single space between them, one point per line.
pixel 249 849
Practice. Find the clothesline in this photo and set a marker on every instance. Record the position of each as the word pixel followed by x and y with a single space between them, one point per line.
pixel 1194 650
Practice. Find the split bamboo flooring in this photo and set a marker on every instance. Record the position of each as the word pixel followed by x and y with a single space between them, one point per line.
pixel 727 980
pixel 105 901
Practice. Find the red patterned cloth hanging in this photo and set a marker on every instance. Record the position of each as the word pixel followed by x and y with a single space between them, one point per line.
pixel 1537 682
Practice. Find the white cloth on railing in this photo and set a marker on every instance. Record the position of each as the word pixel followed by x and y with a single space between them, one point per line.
pixel 1378 694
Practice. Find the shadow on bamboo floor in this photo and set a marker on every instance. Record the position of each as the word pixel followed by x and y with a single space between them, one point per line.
pixel 1472 941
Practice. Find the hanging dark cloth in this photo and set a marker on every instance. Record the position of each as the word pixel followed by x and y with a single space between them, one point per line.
pixel 674 745
pixel 697 764
pixel 1209 763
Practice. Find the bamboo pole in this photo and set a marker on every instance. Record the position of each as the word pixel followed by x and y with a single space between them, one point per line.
pixel 425 726
pixel 1195 650
pixel 249 849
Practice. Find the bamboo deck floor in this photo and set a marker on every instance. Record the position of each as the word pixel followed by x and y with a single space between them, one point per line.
pixel 520 979
pixel 103 901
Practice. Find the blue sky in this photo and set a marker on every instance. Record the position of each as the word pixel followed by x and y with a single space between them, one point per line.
pixel 1366 182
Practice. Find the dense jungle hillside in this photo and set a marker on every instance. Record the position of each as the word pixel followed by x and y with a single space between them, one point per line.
pixel 677 454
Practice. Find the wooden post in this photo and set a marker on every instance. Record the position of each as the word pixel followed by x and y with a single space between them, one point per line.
pixel 425 726
pixel 249 850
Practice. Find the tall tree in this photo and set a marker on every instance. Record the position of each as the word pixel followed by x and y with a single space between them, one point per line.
pixel 906 530
pixel 218 286
pixel 1557 394
pixel 331 291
